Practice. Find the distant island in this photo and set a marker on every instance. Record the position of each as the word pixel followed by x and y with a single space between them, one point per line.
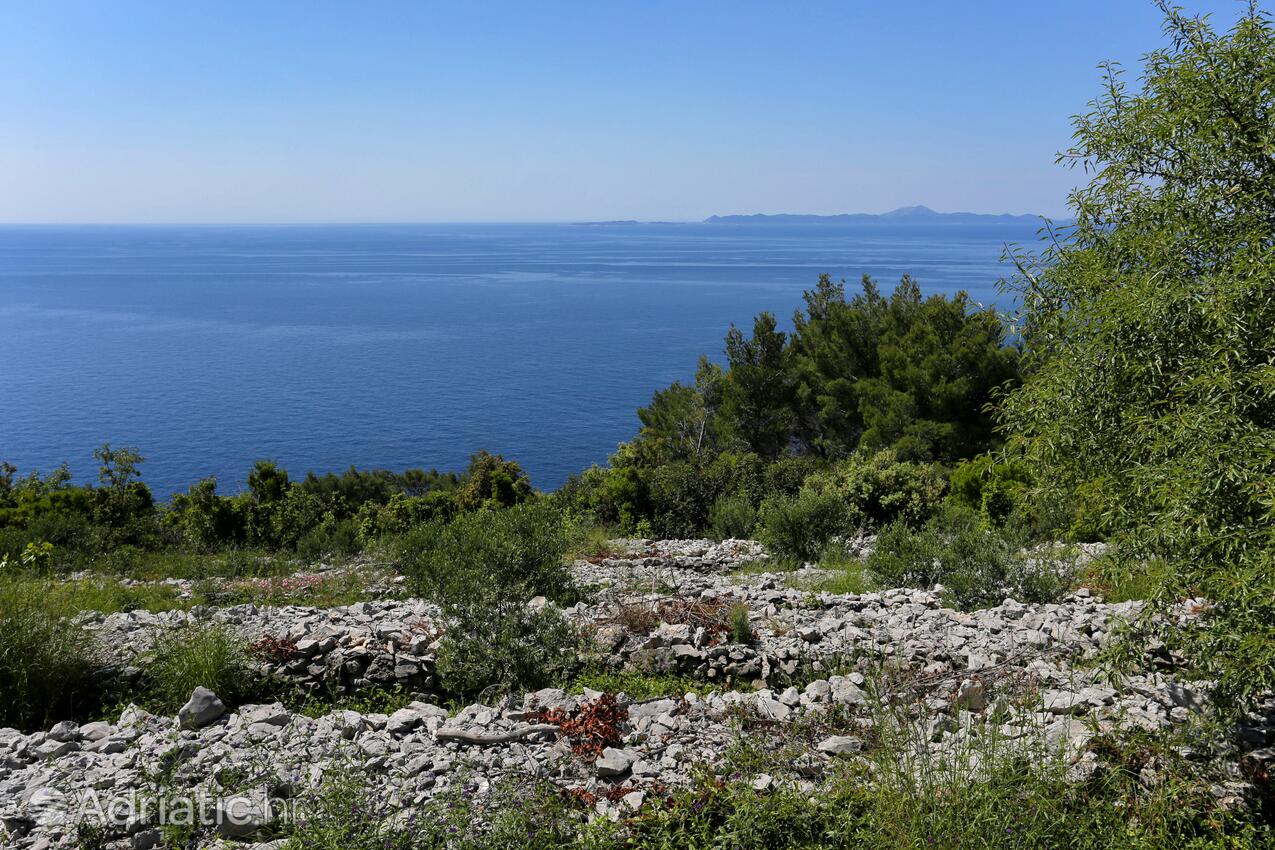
pixel 903 215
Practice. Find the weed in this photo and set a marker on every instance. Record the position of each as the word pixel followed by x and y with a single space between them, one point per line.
pixel 46 666
pixel 207 655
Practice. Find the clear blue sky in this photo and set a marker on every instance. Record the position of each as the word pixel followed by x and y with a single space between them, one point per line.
pixel 281 111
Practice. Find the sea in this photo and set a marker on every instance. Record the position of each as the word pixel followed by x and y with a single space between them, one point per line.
pixel 398 346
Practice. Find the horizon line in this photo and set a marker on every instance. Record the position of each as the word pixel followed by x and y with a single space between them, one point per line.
pixel 403 222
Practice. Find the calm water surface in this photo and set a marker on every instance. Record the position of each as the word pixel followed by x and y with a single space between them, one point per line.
pixel 396 346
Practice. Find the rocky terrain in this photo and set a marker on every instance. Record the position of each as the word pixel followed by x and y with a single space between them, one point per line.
pixel 817 673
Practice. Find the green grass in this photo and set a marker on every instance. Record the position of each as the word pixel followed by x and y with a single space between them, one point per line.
pixel 204 655
pixel 588 541
pixel 109 596
pixel 152 565
pixel 849 575
pixel 1126 580
pixel 46 663
pixel 368 701
pixel 640 686
pixel 324 590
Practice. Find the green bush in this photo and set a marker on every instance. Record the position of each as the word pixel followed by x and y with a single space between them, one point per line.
pixel 739 622
pixel 518 550
pixel 483 568
pixel 801 526
pixel 993 487
pixel 492 482
pixel 497 644
pixel 1147 328
pixel 902 796
pixel 331 538
pixel 46 663
pixel 878 489
pixel 401 513
pixel 613 496
pixel 786 474
pixel 732 517
pixel 208 521
pixel 978 566
pixel 681 495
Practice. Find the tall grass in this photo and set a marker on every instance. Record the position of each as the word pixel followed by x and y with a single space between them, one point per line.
pixel 207 655
pixel 46 662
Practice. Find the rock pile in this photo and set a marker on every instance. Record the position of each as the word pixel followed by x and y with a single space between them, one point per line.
pixel 832 666
pixel 330 650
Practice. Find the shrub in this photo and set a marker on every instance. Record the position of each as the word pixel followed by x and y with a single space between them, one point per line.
pixel 401 513
pixel 801 526
pixel 207 655
pixel 879 489
pixel 483 568
pixel 740 624
pixel 978 566
pixel 492 482
pixel 681 495
pixel 519 551
pixel 207 520
pixel 331 538
pixel 786 474
pixel 34 558
pixel 46 665
pixel 498 644
pixel 732 517
pixel 992 487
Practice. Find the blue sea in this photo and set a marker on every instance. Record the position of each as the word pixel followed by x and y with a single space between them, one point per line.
pixel 396 346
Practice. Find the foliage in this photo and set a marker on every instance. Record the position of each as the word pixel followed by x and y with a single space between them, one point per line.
pixel 317 517
pixel 639 686
pixel 879 488
pixel 732 517
pixel 498 644
pixel 992 487
pixel 978 566
pixel 905 372
pixel 862 491
pixel 35 558
pixel 519 550
pixel 492 482
pixel 207 655
pixel 46 670
pixel 400 513
pixel 909 373
pixel 759 394
pixel 905 796
pixel 681 422
pixel 801 526
pixel 206 519
pixel 1151 392
pixel 740 626
pixel 849 574
pixel 483 568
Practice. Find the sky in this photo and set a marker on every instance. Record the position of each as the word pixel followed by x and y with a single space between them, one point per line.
pixel 383 111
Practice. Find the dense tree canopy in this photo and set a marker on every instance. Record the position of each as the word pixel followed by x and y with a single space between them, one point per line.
pixel 906 373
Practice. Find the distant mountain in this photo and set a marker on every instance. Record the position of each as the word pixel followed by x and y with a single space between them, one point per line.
pixel 903 215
